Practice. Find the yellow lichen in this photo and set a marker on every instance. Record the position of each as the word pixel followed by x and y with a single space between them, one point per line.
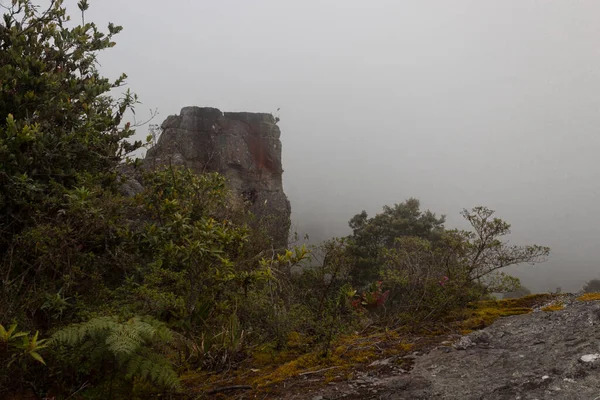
pixel 526 301
pixel 347 353
pixel 485 314
pixel 554 307
pixel 589 297
pixel 293 368
pixel 406 346
pixel 293 337
pixel 332 375
pixel 481 314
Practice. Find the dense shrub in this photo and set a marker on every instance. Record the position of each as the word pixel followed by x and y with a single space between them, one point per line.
pixel 427 278
pixel 370 236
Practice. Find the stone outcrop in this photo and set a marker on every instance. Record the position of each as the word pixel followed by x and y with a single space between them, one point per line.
pixel 244 147
pixel 541 355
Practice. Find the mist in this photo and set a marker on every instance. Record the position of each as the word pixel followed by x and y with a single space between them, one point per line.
pixel 459 104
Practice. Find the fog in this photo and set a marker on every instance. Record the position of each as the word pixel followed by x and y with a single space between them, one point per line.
pixel 458 103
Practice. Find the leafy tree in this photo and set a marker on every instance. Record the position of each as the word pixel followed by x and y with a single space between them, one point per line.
pixel 73 249
pixel 485 253
pixel 427 279
pixel 57 121
pixel 60 135
pixel 371 235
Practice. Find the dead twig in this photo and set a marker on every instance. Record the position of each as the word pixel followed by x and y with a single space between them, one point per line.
pixel 228 388
pixel 316 372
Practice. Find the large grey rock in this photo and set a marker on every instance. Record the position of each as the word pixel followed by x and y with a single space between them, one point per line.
pixel 244 147
pixel 543 355
pixel 130 180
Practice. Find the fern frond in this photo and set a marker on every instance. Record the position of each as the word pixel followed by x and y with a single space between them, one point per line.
pixel 75 334
pixel 133 343
pixel 159 330
pixel 124 339
pixel 134 365
pixel 154 369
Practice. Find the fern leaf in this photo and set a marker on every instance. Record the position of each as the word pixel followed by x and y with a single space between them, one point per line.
pixel 132 342
pixel 123 340
pixel 134 365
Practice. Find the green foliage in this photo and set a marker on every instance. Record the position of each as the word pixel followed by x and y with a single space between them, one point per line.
pixel 372 298
pixel 189 247
pixel 201 265
pixel 325 291
pixel 22 344
pixel 370 236
pixel 62 267
pixel 61 141
pixel 429 277
pixel 268 307
pixel 416 251
pixel 135 346
pixel 17 352
pixel 425 281
pixel 57 120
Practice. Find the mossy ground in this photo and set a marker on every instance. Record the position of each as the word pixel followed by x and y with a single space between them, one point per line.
pixel 272 372
pixel 589 297
pixel 482 314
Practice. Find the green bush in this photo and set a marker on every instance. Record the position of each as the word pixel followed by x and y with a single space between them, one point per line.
pixel 427 279
pixel 371 236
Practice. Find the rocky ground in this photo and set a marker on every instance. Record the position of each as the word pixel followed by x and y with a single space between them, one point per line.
pixel 551 354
